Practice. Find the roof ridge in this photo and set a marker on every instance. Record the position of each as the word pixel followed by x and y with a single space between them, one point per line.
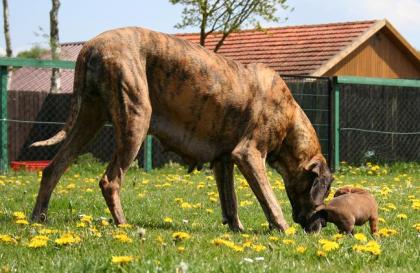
pixel 288 27
pixel 72 43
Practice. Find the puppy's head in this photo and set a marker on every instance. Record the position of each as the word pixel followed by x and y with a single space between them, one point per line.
pixel 317 221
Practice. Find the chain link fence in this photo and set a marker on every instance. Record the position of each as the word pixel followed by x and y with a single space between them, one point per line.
pixel 379 123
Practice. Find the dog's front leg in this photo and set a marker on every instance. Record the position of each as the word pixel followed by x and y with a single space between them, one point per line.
pixel 223 172
pixel 251 163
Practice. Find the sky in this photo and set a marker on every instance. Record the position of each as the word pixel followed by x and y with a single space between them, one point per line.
pixel 80 20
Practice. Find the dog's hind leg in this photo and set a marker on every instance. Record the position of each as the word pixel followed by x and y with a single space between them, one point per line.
pixel 90 119
pixel 130 111
pixel 223 172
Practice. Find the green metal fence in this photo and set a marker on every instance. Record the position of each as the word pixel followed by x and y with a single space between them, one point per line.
pixel 376 119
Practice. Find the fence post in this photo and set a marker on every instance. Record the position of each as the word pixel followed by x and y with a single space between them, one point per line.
pixel 336 126
pixel 4 152
pixel 147 158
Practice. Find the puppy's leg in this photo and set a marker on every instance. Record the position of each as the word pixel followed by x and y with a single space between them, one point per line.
pixel 373 222
pixel 90 119
pixel 251 163
pixel 130 111
pixel 223 172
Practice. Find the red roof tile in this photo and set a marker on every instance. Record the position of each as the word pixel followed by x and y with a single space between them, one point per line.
pixel 298 50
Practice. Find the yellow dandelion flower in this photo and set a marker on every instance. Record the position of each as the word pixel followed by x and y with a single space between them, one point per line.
pixel 288 242
pixel 179 200
pixel 386 232
pixel 391 206
pixel 265 225
pixel 38 241
pixel 180 249
pixel 122 237
pixel 273 238
pixel 86 218
pixel 381 220
pixel 385 190
pixel 213 199
pixel 95 232
pixel 415 205
pixel 81 225
pixel 328 245
pixel 160 240
pixel 186 205
pixel 19 215
pixel 258 248
pixel 372 247
pixel 196 205
pixel 125 226
pixel 104 223
pixel 290 231
pixel 245 203
pixel 180 236
pixel 247 244
pixel 360 237
pixel 36 225
pixel 122 259
pixel 210 210
pixel 22 222
pixel 402 216
pixel 337 236
pixel 7 239
pixel 301 249
pixel 237 248
pixel 167 220
pixel 417 227
pixel 71 186
pixel 68 239
pixel 321 253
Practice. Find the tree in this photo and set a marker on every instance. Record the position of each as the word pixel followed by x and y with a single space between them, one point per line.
pixel 9 51
pixel 35 52
pixel 55 45
pixel 226 16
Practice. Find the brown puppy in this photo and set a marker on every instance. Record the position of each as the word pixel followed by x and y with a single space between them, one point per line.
pixel 350 207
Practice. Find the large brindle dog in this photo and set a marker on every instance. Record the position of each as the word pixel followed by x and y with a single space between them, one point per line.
pixel 201 105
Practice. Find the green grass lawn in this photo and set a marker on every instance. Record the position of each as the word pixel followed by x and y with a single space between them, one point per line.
pixel 166 201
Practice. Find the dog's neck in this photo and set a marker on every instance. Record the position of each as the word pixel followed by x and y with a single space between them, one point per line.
pixel 300 145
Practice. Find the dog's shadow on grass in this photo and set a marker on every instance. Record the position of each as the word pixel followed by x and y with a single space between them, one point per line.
pixel 151 225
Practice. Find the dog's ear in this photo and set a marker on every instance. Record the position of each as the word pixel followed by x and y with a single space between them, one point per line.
pixel 322 181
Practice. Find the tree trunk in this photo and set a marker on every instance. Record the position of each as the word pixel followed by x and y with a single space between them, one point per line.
pixel 9 51
pixel 55 46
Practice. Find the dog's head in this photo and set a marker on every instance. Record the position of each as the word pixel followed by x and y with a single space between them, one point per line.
pixel 307 186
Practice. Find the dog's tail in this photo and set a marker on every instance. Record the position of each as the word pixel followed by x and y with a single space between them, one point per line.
pixel 79 84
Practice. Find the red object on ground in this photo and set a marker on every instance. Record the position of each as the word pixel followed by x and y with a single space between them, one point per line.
pixel 31 166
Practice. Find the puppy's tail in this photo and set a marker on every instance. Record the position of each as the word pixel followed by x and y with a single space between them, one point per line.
pixel 79 84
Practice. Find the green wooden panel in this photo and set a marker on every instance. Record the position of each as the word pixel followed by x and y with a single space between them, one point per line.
pixel 147 161
pixel 23 62
pixel 377 81
pixel 4 137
